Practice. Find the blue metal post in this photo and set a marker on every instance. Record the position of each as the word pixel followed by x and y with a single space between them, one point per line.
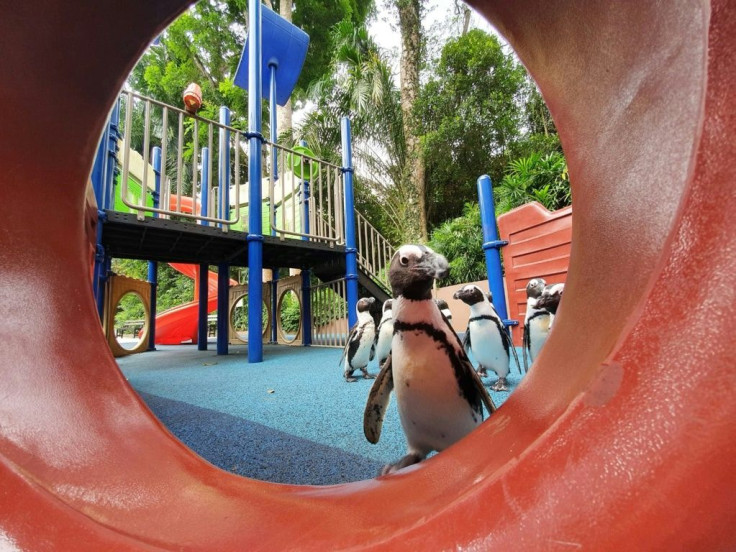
pixel 275 169
pixel 223 297
pixel 153 265
pixel 351 252
pixel 255 237
pixel 306 274
pixel 203 291
pixel 111 169
pixel 103 187
pixel 491 246
pixel 98 169
pixel 223 165
pixel 274 120
pixel 203 297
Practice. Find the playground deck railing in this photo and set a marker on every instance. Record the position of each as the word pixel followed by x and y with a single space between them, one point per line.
pixel 374 251
pixel 176 164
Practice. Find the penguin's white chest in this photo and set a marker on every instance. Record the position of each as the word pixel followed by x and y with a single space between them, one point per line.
pixel 487 346
pixel 385 335
pixel 362 355
pixel 538 331
pixel 433 412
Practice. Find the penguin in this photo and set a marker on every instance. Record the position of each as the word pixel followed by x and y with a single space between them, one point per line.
pixel 536 322
pixel 439 396
pixel 486 336
pixel 550 298
pixel 360 348
pixel 444 309
pixel 384 333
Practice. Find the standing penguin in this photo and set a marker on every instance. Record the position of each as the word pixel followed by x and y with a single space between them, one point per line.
pixel 444 308
pixel 486 337
pixel 439 396
pixel 537 321
pixel 360 348
pixel 384 333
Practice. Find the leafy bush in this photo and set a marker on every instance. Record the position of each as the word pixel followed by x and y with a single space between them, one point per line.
pixel 534 178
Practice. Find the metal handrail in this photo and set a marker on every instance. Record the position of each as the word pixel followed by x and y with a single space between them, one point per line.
pixel 142 207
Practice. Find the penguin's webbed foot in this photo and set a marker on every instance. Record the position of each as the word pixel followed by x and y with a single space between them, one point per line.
pixel 500 385
pixel 408 460
pixel 366 375
pixel 482 372
pixel 349 377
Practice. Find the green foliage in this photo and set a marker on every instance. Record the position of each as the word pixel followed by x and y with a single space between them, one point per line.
pixel 541 178
pixel 460 240
pixel 173 287
pixel 130 307
pixel 469 114
pixel 290 312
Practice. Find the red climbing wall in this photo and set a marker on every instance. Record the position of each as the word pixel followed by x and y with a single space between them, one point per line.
pixel 539 247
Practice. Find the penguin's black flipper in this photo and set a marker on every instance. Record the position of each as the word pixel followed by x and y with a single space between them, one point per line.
pixel 372 354
pixel 351 343
pixel 471 386
pixel 378 398
pixel 479 387
pixel 525 346
pixel 466 340
pixel 509 344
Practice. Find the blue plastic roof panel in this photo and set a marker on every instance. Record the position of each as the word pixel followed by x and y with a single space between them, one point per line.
pixel 285 45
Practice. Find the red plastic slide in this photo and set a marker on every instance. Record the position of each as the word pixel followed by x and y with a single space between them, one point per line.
pixel 621 437
pixel 179 324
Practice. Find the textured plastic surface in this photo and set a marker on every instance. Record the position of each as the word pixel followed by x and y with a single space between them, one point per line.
pixel 539 247
pixel 285 45
pixel 622 440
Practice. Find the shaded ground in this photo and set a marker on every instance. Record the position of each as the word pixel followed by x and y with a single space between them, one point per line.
pixel 289 419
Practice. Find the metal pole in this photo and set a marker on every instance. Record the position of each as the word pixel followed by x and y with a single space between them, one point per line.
pixel 351 261
pixel 223 296
pixel 108 160
pixel 203 297
pixel 275 173
pixel 203 291
pixel 255 237
pixel 153 265
pixel 306 274
pixel 224 166
pixel 492 246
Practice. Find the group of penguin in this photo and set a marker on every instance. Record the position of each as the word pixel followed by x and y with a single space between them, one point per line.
pixel 440 395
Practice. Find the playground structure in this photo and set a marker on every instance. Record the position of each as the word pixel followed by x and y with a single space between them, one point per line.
pixel 302 198
pixel 611 444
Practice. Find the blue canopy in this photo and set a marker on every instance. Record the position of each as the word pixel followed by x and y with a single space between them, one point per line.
pixel 284 45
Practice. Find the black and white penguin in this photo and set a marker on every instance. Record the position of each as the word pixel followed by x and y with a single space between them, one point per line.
pixel 550 298
pixel 439 396
pixel 384 333
pixel 360 348
pixel 537 321
pixel 486 336
pixel 444 309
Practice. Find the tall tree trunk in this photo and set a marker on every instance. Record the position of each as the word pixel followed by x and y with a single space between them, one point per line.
pixel 466 18
pixel 284 114
pixel 411 43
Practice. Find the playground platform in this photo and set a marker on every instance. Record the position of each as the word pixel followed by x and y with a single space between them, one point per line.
pixel 165 240
pixel 290 419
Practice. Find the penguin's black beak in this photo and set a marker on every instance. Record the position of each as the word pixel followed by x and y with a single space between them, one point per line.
pixel 437 265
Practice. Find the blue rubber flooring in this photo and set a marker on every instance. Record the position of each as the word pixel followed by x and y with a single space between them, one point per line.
pixel 290 419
